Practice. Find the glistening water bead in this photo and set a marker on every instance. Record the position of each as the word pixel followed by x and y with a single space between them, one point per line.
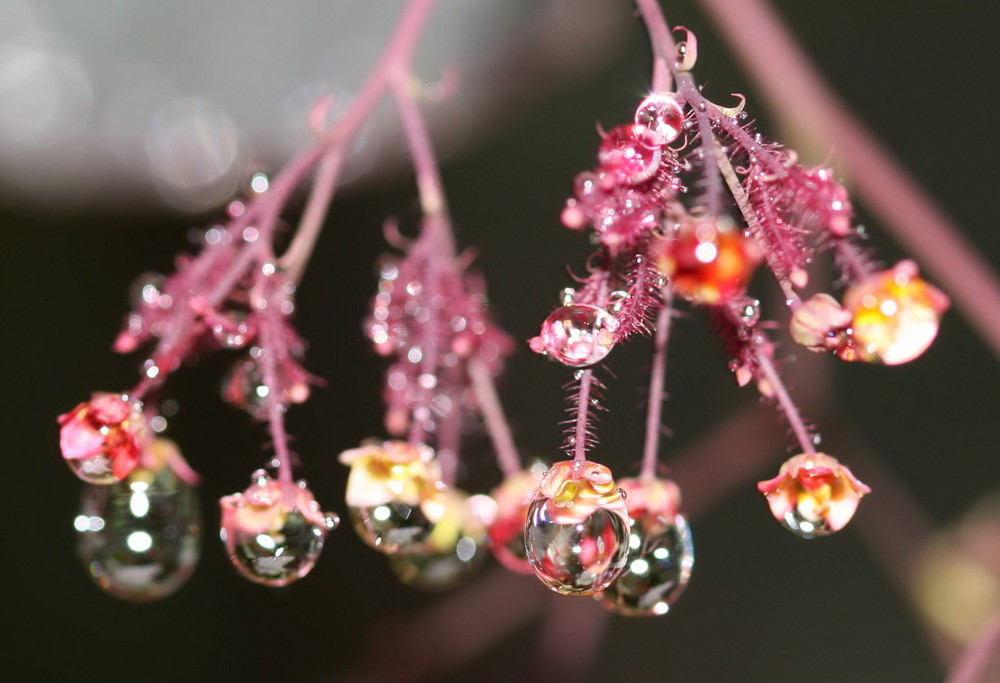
pixel 139 538
pixel 576 535
pixel 395 495
pixel 661 552
pixel 577 335
pixel 456 547
pixel 274 531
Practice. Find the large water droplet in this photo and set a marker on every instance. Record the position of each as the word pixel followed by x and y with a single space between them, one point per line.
pixel 454 551
pixel 395 495
pixel 274 531
pixel 658 569
pixel 577 531
pixel 139 538
pixel 577 335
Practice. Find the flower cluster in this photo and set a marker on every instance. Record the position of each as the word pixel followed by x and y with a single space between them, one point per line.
pixel 686 201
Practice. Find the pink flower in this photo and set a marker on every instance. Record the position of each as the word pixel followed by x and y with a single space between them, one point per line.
pixel 813 495
pixel 101 439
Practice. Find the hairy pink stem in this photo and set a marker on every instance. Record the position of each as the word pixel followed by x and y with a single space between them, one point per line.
pixel 493 415
pixel 657 375
pixel 710 172
pixel 757 229
pixel 855 268
pixel 785 401
pixel 662 43
pixel 582 415
pixel 794 89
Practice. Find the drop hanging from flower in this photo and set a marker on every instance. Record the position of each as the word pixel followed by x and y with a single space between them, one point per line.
pixel 813 495
pixel 101 439
pixel 577 531
pixel 139 538
pixel 275 530
pixel 661 552
pixel 456 547
pixel 395 495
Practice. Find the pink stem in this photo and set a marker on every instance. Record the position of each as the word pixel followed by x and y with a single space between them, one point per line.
pixel 493 415
pixel 855 268
pixel 657 375
pixel 296 257
pixel 785 402
pixel 582 415
pixel 974 662
pixel 270 342
pixel 793 88
pixel 757 229
pixel 664 52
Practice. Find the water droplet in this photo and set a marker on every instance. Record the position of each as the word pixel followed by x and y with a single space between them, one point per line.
pixel 233 332
pixel 577 335
pixel 246 389
pixel 895 315
pixel 661 553
pixel 453 553
pixel 147 290
pixel 140 539
pixel 662 116
pixel 395 495
pixel 576 534
pixel 274 531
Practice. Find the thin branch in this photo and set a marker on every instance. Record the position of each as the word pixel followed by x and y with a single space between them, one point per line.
pixel 493 415
pixel 657 375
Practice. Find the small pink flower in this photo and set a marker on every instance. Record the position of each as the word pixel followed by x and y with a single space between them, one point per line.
pixel 820 323
pixel 265 505
pixel 813 495
pixel 101 439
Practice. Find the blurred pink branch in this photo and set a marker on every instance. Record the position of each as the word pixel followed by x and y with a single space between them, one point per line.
pixel 972 665
pixel 796 93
